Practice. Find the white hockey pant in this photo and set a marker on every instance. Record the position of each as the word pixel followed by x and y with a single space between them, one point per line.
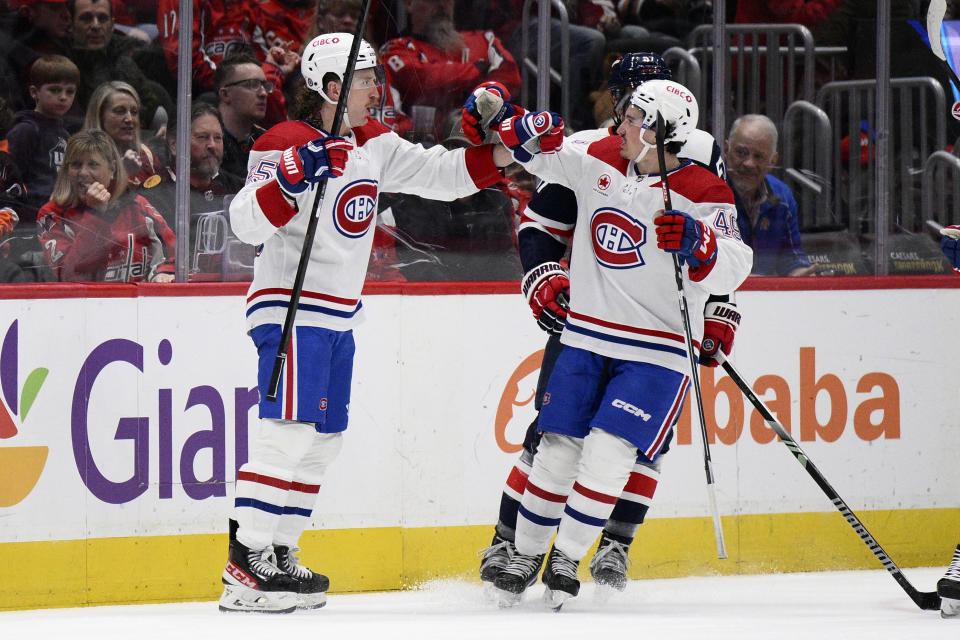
pixel 277 488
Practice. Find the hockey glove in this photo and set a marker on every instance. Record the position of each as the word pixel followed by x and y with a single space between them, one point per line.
pixel 720 322
pixel 485 109
pixel 535 132
pixel 950 243
pixel 680 233
pixel 547 290
pixel 315 161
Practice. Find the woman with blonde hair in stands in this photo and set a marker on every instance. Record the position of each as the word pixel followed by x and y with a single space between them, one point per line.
pixel 115 108
pixel 94 229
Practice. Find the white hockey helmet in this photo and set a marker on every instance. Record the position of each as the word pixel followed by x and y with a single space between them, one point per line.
pixel 674 102
pixel 329 53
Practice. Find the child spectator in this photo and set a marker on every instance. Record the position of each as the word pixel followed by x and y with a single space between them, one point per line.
pixel 38 137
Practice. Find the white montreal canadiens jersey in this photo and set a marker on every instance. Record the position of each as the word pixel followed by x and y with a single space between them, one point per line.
pixel 380 161
pixel 623 291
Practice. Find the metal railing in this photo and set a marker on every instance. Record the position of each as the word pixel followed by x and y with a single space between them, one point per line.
pixel 546 75
pixel 807 167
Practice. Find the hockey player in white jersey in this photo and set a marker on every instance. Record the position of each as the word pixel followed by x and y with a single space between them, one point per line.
pixel 620 381
pixel 300 433
pixel 544 240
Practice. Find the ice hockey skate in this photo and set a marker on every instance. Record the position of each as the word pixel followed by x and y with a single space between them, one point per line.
pixel 312 591
pixel 495 557
pixel 560 576
pixel 253 582
pixel 513 579
pixel 608 567
pixel 948 588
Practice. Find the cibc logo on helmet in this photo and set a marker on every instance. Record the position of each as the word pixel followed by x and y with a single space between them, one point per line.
pixel 674 89
pixel 325 41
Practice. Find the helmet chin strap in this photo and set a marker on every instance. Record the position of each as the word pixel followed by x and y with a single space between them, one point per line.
pixel 646 148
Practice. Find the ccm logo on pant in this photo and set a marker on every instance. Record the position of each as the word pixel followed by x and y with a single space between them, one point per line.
pixel 629 408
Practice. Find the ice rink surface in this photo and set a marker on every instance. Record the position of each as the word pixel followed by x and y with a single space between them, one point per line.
pixel 860 604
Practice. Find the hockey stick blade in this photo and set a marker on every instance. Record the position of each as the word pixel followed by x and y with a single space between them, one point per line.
pixel 927 600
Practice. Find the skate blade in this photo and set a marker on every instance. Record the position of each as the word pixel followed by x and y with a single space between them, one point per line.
pixel 555 599
pixel 602 593
pixel 506 599
pixel 311 601
pixel 245 600
pixel 949 608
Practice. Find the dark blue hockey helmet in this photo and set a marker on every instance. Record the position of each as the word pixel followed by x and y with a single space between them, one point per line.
pixel 633 69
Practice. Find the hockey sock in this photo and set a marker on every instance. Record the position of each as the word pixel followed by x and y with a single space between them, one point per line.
pixel 260 497
pixel 552 476
pixel 302 496
pixel 604 469
pixel 634 502
pixel 512 493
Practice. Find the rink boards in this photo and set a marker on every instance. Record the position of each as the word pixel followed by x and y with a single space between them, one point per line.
pixel 126 411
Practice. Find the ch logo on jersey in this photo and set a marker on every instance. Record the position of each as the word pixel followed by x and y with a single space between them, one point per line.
pixel 355 208
pixel 603 182
pixel 617 239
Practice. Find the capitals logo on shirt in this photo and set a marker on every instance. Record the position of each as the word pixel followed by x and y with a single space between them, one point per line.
pixel 617 238
pixel 356 208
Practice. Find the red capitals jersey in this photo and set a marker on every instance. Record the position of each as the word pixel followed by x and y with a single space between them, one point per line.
pixel 425 74
pixel 128 243
pixel 225 27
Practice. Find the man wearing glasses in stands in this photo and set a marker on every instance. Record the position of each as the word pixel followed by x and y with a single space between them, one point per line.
pixel 242 89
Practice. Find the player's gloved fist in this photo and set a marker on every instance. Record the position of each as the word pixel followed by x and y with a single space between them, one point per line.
pixel 547 290
pixel 315 161
pixel 485 109
pixel 720 322
pixel 530 133
pixel 678 232
pixel 950 243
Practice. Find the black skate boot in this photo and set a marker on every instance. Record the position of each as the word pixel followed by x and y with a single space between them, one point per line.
pixel 312 593
pixel 948 588
pixel 253 582
pixel 608 567
pixel 513 579
pixel 560 576
pixel 495 557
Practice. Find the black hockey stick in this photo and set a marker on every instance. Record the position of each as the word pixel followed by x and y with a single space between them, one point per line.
pixel 694 364
pixel 924 599
pixel 288 321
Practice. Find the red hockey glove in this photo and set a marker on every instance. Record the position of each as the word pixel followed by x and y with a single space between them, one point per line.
pixel 678 232
pixel 949 244
pixel 317 160
pixel 485 109
pixel 535 132
pixel 547 290
pixel 720 322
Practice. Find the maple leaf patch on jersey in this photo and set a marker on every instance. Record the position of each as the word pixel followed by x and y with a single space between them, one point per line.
pixel 617 238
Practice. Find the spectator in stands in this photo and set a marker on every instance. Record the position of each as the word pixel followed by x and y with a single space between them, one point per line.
pixel 809 13
pixel 434 65
pixel 35 28
pixel 38 139
pixel 104 55
pixel 242 90
pixel 208 183
pixel 766 209
pixel 115 108
pixel 222 28
pixel 94 229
